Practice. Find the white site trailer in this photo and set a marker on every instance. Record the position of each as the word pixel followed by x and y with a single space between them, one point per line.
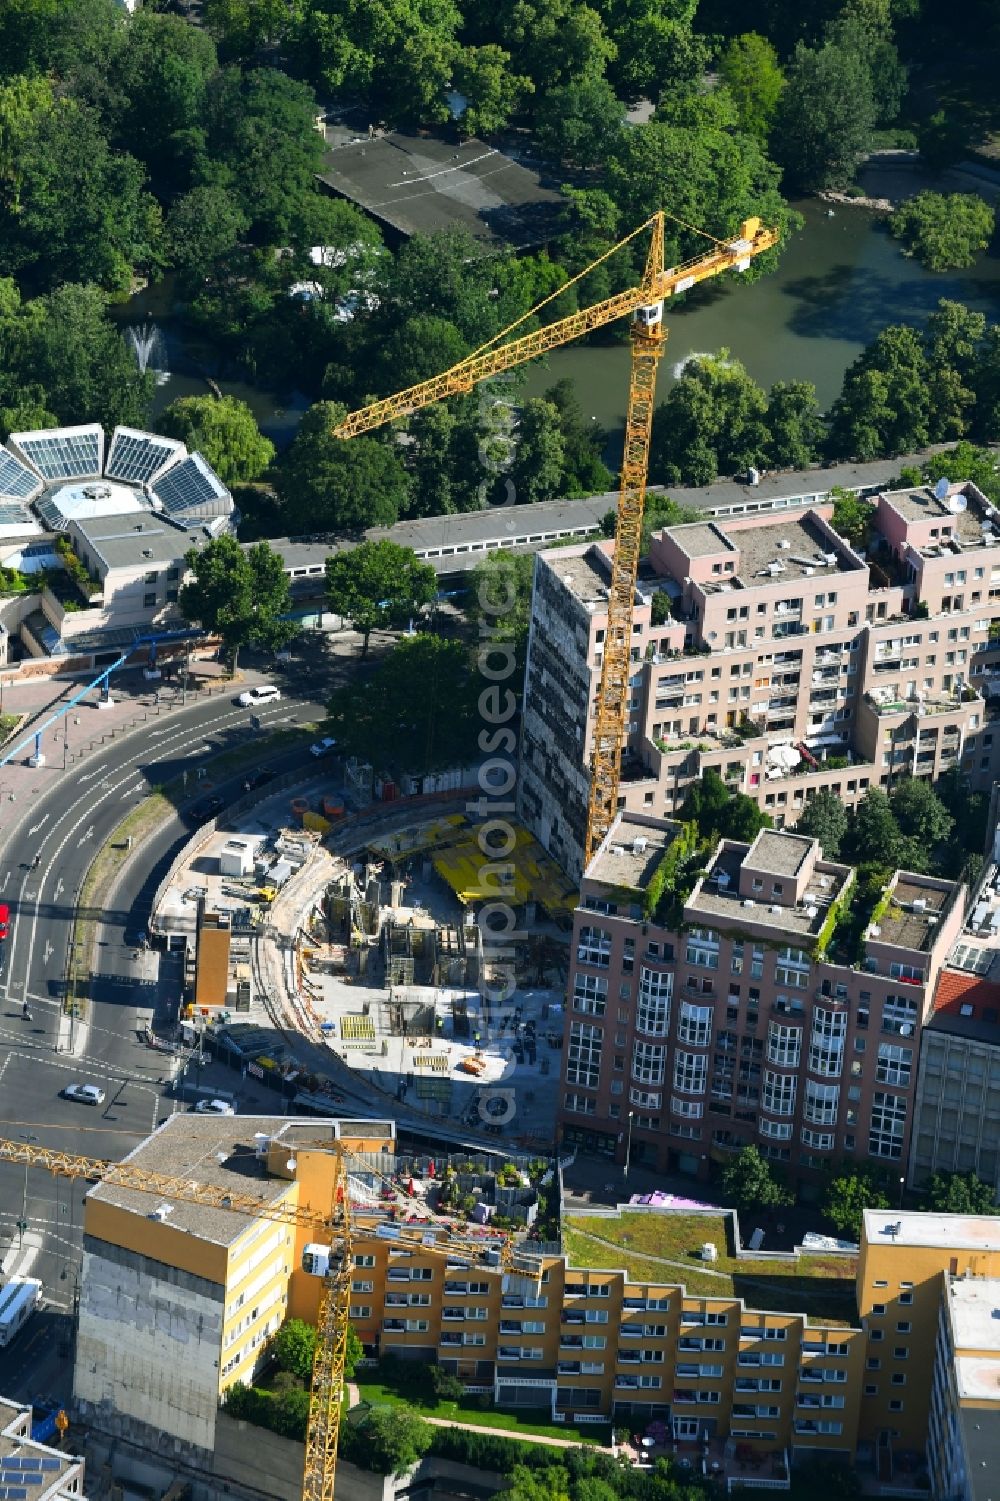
pixel 18 1300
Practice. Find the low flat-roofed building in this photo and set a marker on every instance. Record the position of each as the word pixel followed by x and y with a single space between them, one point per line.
pixel 963 1442
pixel 31 1471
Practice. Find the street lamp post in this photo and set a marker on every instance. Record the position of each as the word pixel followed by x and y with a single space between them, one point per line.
pixel 628 1143
pixel 902 1188
pixel 22 1223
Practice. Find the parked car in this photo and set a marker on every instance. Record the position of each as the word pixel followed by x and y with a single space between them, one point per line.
pixel 258 779
pixel 207 808
pixel 323 747
pixel 4 919
pixel 263 693
pixel 214 1107
pixel 84 1094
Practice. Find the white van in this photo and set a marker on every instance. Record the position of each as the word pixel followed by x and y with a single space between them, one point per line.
pixel 18 1301
pixel 263 693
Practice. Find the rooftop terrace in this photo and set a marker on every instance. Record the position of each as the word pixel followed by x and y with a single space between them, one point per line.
pixel 713 899
pixel 631 852
pixel 785 551
pixel 663 1249
pixel 911 918
pixel 585 573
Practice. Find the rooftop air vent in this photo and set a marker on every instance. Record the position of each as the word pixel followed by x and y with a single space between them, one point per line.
pixel 639 845
pixel 147 552
pixel 920 904
pixel 784 544
pixel 776 909
pixel 749 902
pixel 722 879
pixel 162 1212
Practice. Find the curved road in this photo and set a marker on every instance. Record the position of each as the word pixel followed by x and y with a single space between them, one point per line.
pixel 65 826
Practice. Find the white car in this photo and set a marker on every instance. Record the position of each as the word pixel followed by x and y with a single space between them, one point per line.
pixel 87 1094
pixel 323 747
pixel 214 1107
pixel 263 693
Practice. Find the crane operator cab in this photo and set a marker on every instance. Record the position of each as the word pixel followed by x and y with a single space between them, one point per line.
pixel 649 316
pixel 323 1261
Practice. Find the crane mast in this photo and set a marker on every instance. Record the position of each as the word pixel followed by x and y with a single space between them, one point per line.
pixel 644 304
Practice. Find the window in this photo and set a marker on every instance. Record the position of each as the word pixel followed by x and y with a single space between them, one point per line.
pixel 590 994
pixel 821 1103
pixel 648 1062
pixel 779 1093
pixel 594 947
pixel 888 1124
pixel 653 1009
pixel 694 1024
pixel 894 1064
pixel 826 1045
pixel 583 1064
pixel 148 601
pixel 690 1072
pixel 784 1044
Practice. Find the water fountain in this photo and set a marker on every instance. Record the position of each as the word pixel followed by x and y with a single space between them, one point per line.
pixel 150 349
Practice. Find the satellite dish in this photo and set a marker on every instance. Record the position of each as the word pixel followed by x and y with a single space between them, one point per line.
pixel 957 504
pixel 941 488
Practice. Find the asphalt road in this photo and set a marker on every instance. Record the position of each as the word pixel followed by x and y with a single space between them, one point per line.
pixel 65 827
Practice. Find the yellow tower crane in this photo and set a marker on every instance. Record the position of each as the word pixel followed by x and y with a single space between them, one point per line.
pixel 644 304
pixel 332 1259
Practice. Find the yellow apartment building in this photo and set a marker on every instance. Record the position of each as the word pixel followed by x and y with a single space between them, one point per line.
pixel 178 1302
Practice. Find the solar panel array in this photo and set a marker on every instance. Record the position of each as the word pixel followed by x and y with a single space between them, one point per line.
pixel 135 457
pixel 16 479
pixel 11 514
pixel 191 487
pixel 63 453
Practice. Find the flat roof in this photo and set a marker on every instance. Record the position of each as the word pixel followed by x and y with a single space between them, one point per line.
pixel 905 927
pixel 798 543
pixel 981 1440
pixel 920 504
pixel 779 854
pixel 586 573
pixel 700 539
pixel 122 542
pixel 28 1469
pixel 712 899
pixel 419 183
pixel 975 1232
pixel 619 862
pixel 974 1307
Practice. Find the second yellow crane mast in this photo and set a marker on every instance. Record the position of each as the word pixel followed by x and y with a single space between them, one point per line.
pixel 645 304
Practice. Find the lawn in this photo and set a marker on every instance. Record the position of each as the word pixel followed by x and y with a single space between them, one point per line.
pixel 536 1421
pixel 820 1285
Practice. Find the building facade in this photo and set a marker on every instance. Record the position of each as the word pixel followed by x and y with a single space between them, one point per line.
pixel 735 1018
pixel 178 1303
pixel 785 659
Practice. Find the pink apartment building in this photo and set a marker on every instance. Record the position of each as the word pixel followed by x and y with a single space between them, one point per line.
pixel 742 1019
pixel 789 660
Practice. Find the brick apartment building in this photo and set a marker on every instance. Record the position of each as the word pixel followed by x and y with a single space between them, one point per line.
pixel 789 660
pixel 744 1022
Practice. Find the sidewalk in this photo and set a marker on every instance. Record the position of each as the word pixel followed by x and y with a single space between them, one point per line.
pixel 79 734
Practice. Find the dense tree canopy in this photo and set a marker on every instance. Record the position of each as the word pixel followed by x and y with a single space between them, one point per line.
pixel 224 430
pixel 327 485
pixel 379 586
pixel 944 231
pixel 239 594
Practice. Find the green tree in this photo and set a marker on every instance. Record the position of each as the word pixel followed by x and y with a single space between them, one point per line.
pixel 920 813
pixel 493 93
pixel 825 819
pixel 852 516
pixel 239 595
pixel 242 27
pixel 26 412
pixel 579 122
pixel 750 70
pixel 202 227
pixel 162 72
pixel 873 835
pixel 849 1194
pixel 825 117
pixel 499 600
pixel 398 59
pixel 944 231
pixel 884 406
pixel 548 1484
pixel 584 471
pixel 743 818
pixel 795 429
pixel 294 1348
pixel 48 36
pixel 417 712
pixel 354 1351
pixel 62 352
pixel 326 484
pixel 713 421
pixel 419 348
pixel 81 213
pixel 539 459
pixel 223 430
pixel 386 1439
pixel 748 1179
pixel 379 586
pixel 958 1193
